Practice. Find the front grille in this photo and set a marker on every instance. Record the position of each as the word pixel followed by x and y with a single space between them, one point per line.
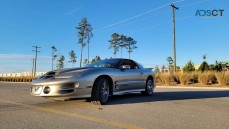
pixel 67 91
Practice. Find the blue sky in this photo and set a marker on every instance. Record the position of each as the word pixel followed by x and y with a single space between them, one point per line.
pixel 45 23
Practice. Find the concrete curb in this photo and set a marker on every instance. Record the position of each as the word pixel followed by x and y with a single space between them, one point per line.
pixel 185 87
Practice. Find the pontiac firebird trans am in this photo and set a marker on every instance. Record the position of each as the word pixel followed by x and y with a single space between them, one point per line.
pixel 96 81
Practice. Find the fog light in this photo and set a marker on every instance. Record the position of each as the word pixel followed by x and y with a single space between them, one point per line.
pixel 76 85
pixel 47 90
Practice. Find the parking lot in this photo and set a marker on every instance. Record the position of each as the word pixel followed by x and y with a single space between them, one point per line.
pixel 175 108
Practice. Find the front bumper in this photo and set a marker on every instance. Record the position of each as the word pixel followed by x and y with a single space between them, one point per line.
pixel 54 90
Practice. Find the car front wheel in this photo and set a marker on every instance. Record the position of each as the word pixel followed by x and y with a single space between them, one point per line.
pixel 100 91
pixel 149 88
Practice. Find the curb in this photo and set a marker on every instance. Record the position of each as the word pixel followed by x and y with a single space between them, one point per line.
pixel 210 88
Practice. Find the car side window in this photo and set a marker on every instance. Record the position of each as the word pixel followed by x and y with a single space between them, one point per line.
pixel 132 64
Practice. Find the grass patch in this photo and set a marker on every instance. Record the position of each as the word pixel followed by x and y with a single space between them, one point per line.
pixel 222 78
pixel 17 79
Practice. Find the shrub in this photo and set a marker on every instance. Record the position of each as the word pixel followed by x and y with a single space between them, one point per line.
pixel 213 78
pixel 175 77
pixel 222 78
pixel 184 78
pixel 194 76
pixel 167 78
pixel 204 66
pixel 158 78
pixel 189 66
pixel 204 78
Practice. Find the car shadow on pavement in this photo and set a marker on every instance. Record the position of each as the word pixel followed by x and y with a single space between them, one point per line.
pixel 165 96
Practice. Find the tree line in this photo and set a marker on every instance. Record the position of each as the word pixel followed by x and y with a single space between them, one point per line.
pixel 189 66
pixel 84 34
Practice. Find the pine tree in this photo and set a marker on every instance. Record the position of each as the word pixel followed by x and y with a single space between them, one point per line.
pixel 60 64
pixel 189 66
pixel 84 35
pixel 72 57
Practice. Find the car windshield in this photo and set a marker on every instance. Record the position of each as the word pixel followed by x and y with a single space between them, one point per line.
pixel 110 63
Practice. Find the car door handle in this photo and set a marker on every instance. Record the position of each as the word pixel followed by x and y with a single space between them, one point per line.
pixel 141 73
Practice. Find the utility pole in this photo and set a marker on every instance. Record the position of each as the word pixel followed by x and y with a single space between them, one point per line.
pixel 174 35
pixel 35 62
pixel 32 67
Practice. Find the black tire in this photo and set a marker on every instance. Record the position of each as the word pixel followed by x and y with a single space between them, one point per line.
pixel 100 91
pixel 149 88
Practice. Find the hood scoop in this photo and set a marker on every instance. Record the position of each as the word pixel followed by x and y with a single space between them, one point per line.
pixel 70 70
pixel 48 75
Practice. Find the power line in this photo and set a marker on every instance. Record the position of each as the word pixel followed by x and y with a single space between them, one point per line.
pixel 128 19
pixel 203 1
pixel 35 61
pixel 136 16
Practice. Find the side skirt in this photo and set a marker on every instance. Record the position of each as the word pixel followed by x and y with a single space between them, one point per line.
pixel 128 91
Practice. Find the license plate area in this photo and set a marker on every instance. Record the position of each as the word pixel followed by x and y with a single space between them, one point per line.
pixel 36 90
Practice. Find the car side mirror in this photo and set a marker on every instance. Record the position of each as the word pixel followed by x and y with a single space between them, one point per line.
pixel 124 67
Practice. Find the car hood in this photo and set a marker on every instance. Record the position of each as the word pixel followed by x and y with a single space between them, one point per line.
pixel 70 70
pixel 63 73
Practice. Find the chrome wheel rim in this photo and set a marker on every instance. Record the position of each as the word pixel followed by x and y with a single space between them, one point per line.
pixel 150 87
pixel 105 91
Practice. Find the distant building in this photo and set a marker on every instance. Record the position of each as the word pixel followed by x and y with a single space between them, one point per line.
pixel 225 66
pixel 196 66
pixel 165 70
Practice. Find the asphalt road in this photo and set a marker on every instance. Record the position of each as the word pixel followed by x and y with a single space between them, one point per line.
pixel 174 108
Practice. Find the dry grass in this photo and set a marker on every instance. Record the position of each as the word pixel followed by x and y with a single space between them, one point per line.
pixel 17 79
pixel 184 78
pixel 222 78
pixel 204 78
pixel 158 78
pixel 175 77
pixel 193 78
pixel 166 78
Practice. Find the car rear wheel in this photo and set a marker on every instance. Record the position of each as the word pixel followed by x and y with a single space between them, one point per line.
pixel 100 91
pixel 149 88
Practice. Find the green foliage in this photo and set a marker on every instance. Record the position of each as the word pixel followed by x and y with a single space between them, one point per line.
pixel 121 41
pixel 97 58
pixel 84 35
pixel 170 63
pixel 189 66
pixel 163 67
pixel 72 57
pixel 60 64
pixel 54 56
pixel 114 41
pixel 218 66
pixel 204 66
pixel 130 43
pixel 156 69
pixel 169 60
pixel 204 57
pixel 85 61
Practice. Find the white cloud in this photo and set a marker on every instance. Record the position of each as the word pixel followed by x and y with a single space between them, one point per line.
pixel 73 11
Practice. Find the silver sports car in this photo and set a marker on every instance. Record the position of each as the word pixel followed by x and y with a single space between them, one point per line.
pixel 96 81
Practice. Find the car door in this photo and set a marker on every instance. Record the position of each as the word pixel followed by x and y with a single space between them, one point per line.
pixel 130 78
